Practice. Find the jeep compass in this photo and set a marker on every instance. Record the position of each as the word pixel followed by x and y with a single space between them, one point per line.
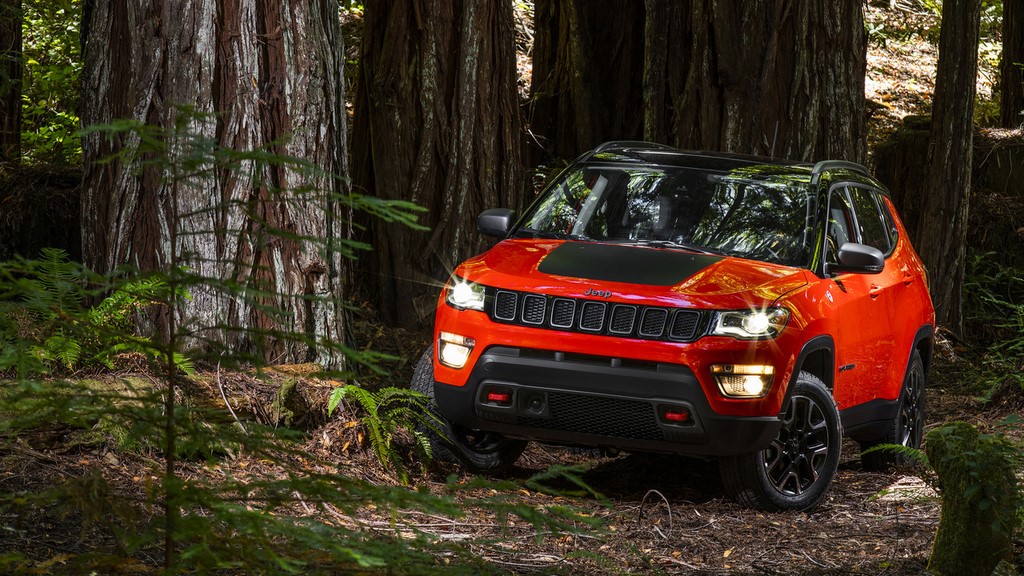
pixel 744 309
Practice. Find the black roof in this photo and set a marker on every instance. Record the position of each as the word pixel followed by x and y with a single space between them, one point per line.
pixel 661 154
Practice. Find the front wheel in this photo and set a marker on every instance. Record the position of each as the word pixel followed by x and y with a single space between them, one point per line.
pixel 907 428
pixel 480 451
pixel 796 469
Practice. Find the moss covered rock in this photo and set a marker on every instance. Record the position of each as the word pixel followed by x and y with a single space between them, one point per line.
pixel 979 500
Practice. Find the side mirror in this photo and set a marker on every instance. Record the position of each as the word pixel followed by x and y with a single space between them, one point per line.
pixel 496 222
pixel 859 258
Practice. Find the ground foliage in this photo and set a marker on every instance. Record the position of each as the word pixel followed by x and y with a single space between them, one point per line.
pixel 95 475
pixel 655 513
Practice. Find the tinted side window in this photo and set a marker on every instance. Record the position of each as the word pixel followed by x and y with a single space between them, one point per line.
pixel 870 226
pixel 890 224
pixel 840 225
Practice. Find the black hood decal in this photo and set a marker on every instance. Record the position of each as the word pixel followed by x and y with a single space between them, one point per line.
pixel 617 263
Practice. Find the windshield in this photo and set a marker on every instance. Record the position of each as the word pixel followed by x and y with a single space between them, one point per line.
pixel 733 214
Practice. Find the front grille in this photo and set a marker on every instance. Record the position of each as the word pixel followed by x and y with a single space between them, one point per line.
pixel 622 319
pixel 504 306
pixel 594 316
pixel 653 322
pixel 612 417
pixel 563 311
pixel 684 325
pixel 592 319
pixel 534 309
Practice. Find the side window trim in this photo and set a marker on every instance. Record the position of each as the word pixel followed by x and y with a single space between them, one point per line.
pixel 881 212
pixel 838 189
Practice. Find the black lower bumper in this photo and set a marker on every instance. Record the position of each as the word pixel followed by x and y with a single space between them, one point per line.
pixel 591 401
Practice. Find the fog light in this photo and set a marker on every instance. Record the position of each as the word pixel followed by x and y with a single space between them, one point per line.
pixel 453 350
pixel 743 380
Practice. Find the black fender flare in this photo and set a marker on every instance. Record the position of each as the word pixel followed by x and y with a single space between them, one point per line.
pixel 823 343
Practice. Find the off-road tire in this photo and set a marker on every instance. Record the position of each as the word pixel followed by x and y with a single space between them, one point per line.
pixel 479 451
pixel 796 469
pixel 907 428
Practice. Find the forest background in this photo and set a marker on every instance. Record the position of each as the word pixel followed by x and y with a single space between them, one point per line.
pixel 290 181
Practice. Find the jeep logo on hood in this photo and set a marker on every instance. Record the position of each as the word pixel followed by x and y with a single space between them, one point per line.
pixel 599 293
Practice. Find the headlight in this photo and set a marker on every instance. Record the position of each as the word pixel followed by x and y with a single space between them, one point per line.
pixel 465 295
pixel 751 324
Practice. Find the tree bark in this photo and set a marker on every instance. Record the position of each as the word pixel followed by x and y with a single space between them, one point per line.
pixel 587 70
pixel 10 80
pixel 782 78
pixel 437 123
pixel 1011 68
pixel 942 229
pixel 269 73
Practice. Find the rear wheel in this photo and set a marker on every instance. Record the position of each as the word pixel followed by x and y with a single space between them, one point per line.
pixel 478 450
pixel 796 469
pixel 907 428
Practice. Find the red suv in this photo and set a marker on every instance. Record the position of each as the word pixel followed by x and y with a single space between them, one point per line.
pixel 715 305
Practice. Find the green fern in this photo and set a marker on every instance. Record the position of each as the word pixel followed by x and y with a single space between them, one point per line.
pixel 910 454
pixel 46 327
pixel 385 412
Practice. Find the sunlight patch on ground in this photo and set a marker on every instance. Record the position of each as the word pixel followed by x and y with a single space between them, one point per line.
pixel 907 489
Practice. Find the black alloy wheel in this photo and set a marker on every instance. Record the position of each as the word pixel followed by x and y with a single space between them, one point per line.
pixel 795 470
pixel 798 455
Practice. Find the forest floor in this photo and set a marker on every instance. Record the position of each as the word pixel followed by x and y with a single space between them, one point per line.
pixel 657 514
pixel 662 514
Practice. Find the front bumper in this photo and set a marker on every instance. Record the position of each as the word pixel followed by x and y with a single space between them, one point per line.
pixel 587 400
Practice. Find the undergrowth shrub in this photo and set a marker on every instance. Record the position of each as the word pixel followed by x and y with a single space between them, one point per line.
pixel 993 304
pixel 386 412
pixel 47 325
pixel 218 497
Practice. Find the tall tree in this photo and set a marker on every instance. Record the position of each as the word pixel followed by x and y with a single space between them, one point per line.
pixel 10 80
pixel 436 123
pixel 1011 68
pixel 783 78
pixel 270 74
pixel 587 61
pixel 942 224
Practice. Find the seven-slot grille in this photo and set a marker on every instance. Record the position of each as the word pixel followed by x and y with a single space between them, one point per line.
pixel 594 316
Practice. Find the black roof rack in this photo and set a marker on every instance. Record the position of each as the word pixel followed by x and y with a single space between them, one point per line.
pixel 634 144
pixel 820 167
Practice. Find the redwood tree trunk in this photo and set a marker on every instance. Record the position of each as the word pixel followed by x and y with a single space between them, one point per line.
pixel 437 123
pixel 587 68
pixel 1012 65
pixel 942 229
pixel 782 78
pixel 10 80
pixel 271 72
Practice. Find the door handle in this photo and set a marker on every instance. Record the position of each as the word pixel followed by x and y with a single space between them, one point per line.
pixel 875 291
pixel 908 278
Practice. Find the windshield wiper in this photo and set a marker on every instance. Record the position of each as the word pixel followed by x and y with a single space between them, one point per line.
pixel 531 233
pixel 671 244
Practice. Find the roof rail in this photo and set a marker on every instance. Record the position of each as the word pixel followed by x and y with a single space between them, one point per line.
pixel 631 144
pixel 820 167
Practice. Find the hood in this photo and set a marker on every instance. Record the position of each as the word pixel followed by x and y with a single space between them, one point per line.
pixel 668 276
